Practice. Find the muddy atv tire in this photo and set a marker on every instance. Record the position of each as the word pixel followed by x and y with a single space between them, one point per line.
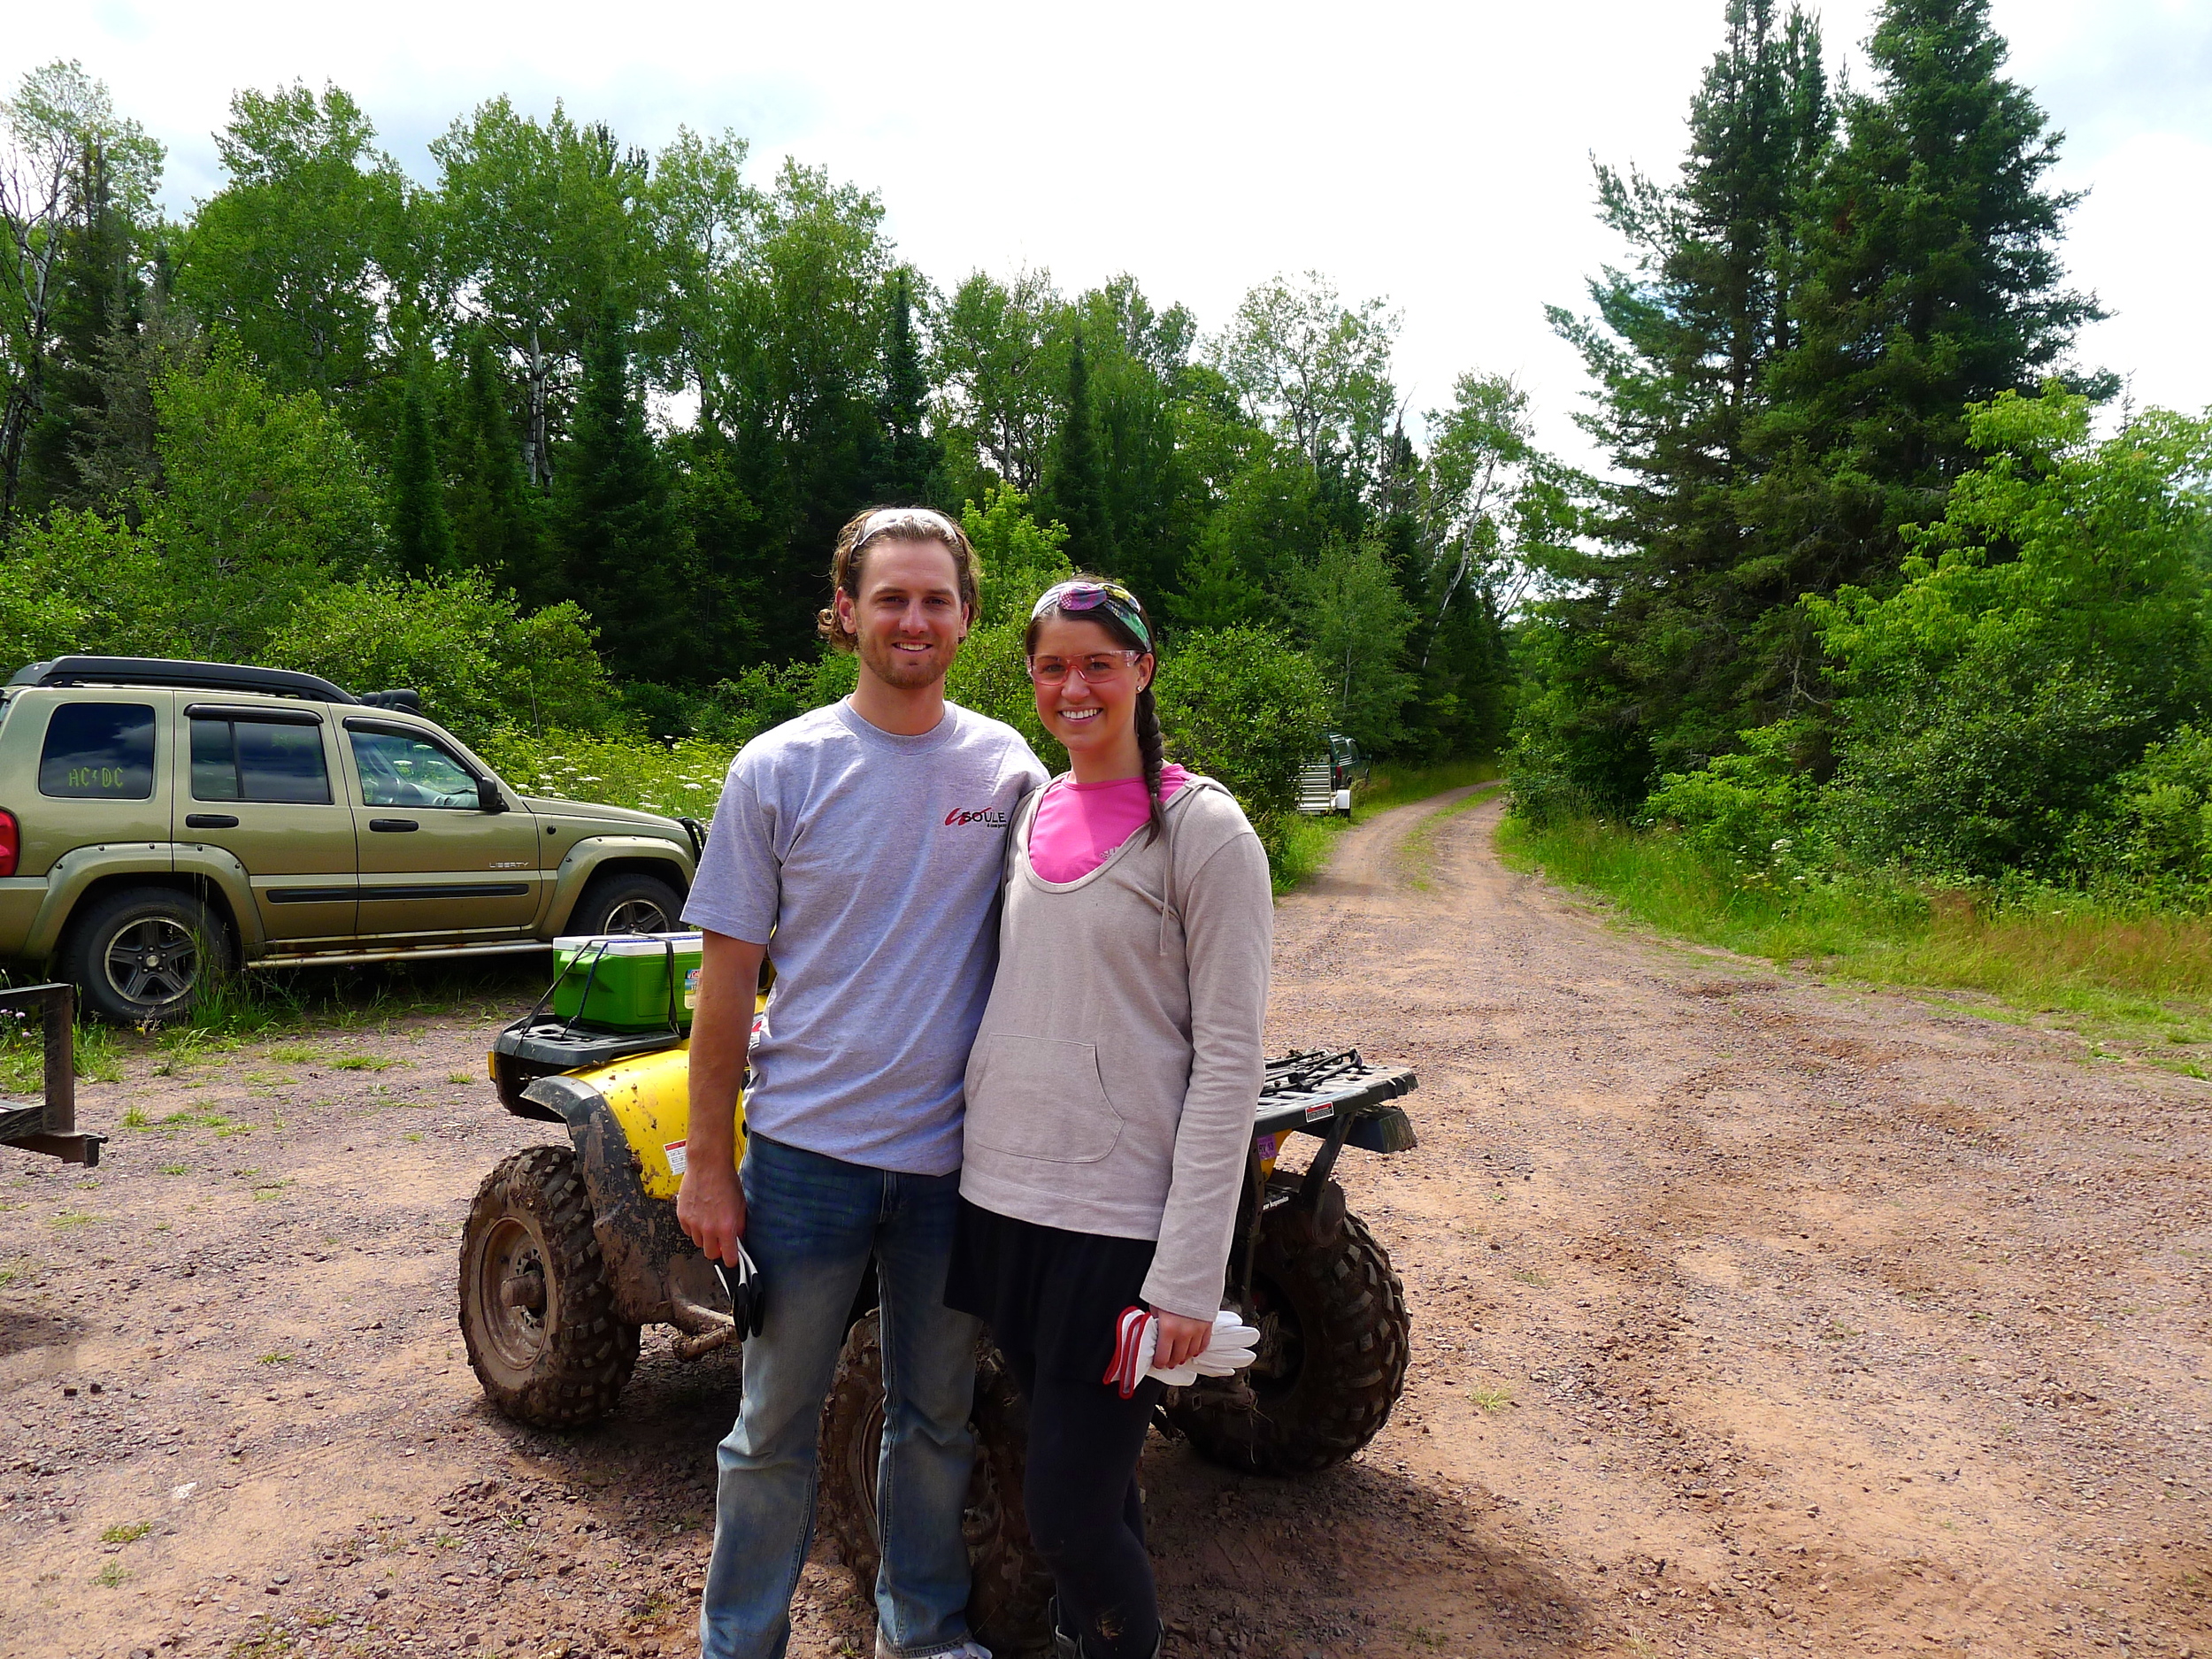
pixel 1333 1346
pixel 1006 1607
pixel 536 1311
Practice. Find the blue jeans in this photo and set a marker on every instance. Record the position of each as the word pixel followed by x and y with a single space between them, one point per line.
pixel 810 1224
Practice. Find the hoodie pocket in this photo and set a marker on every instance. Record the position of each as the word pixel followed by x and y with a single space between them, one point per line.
pixel 1036 1097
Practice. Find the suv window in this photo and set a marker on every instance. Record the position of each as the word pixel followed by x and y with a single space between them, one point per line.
pixel 258 760
pixel 400 770
pixel 98 751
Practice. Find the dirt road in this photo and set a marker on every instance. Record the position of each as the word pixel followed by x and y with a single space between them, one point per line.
pixel 1751 1317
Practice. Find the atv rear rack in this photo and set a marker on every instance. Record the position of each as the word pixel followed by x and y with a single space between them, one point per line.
pixel 1316 1091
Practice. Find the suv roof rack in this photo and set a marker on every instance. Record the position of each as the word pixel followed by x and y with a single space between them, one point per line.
pixel 161 671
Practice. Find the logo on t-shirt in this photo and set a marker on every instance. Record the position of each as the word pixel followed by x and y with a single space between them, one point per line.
pixel 996 817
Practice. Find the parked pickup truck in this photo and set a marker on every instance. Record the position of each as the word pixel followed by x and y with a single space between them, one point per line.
pixel 161 821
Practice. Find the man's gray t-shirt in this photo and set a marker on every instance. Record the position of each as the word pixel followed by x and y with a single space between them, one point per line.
pixel 875 859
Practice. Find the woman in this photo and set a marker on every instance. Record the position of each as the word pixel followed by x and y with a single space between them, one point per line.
pixel 1110 1096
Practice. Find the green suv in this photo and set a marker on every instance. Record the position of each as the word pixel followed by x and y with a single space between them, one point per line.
pixel 162 820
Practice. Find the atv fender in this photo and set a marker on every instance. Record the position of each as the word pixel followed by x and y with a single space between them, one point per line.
pixel 627 1123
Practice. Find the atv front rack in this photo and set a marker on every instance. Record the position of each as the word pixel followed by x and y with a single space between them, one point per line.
pixel 540 1045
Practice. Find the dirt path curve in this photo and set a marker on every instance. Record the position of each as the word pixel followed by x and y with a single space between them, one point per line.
pixel 1751 1317
pixel 1829 1323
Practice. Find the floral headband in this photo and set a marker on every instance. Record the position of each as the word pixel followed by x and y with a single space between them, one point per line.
pixel 1117 601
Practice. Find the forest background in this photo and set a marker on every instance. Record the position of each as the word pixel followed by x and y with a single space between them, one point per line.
pixel 563 440
pixel 1878 585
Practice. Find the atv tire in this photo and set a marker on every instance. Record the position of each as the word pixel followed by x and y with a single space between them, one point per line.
pixel 1006 1606
pixel 536 1311
pixel 1334 1341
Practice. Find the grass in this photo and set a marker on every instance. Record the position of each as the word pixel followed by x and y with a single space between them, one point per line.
pixel 1489 1399
pixel 127 1535
pixel 1391 784
pixel 2141 981
pixel 96 1055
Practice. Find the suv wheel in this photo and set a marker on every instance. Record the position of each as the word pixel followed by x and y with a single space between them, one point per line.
pixel 144 955
pixel 627 904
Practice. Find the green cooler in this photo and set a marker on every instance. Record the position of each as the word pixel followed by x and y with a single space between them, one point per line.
pixel 621 981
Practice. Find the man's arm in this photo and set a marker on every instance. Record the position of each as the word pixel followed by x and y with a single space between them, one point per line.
pixel 710 1205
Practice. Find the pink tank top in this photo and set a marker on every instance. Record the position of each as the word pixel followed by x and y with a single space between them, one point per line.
pixel 1077 826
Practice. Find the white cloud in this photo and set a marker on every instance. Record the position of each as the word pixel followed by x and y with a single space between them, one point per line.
pixel 1437 155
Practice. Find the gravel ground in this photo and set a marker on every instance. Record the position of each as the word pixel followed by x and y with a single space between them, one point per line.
pixel 1752 1316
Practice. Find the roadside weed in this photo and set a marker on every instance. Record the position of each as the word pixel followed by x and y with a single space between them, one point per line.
pixel 1489 1398
pixel 128 1534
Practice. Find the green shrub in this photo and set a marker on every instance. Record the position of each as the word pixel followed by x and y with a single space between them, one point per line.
pixel 682 779
pixel 478 660
pixel 2152 835
pixel 1243 706
pixel 738 711
pixel 1756 815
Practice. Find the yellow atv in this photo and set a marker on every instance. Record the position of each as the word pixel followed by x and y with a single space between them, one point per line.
pixel 571 1248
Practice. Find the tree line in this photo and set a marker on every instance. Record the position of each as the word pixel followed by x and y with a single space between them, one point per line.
pixel 596 400
pixel 1871 582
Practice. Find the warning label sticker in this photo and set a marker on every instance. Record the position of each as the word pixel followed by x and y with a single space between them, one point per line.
pixel 675 1150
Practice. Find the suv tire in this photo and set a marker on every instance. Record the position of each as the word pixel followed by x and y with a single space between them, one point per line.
pixel 627 903
pixel 536 1311
pixel 139 956
pixel 1010 1585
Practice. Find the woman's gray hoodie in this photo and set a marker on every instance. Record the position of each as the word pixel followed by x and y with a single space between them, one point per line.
pixel 1112 1086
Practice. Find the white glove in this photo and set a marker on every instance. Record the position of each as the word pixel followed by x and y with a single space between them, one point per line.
pixel 1229 1349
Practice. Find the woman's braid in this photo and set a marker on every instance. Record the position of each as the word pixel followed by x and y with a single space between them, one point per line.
pixel 1152 748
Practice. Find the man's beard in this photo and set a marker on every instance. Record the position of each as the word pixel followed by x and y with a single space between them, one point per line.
pixel 901 670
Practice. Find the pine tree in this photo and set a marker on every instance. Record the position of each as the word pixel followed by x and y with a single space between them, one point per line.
pixel 1933 237
pixel 422 539
pixel 908 465
pixel 98 293
pixel 1785 379
pixel 494 523
pixel 1073 489
pixel 621 557
pixel 1682 346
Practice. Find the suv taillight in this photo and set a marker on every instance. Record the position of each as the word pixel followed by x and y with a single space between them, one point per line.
pixel 10 842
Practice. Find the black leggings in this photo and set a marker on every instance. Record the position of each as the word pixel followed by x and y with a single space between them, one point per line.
pixel 1085 1515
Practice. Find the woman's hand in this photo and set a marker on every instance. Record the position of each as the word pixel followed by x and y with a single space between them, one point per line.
pixel 1180 1340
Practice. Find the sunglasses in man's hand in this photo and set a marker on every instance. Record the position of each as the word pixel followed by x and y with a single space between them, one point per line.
pixel 747 1304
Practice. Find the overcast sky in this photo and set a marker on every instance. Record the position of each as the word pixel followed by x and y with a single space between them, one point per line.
pixel 1437 155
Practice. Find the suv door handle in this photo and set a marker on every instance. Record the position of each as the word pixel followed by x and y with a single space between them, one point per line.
pixel 393 826
pixel 210 820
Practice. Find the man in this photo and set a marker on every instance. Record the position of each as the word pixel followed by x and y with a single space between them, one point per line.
pixel 867 837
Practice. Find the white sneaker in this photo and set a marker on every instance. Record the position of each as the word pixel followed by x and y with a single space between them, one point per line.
pixel 968 1649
